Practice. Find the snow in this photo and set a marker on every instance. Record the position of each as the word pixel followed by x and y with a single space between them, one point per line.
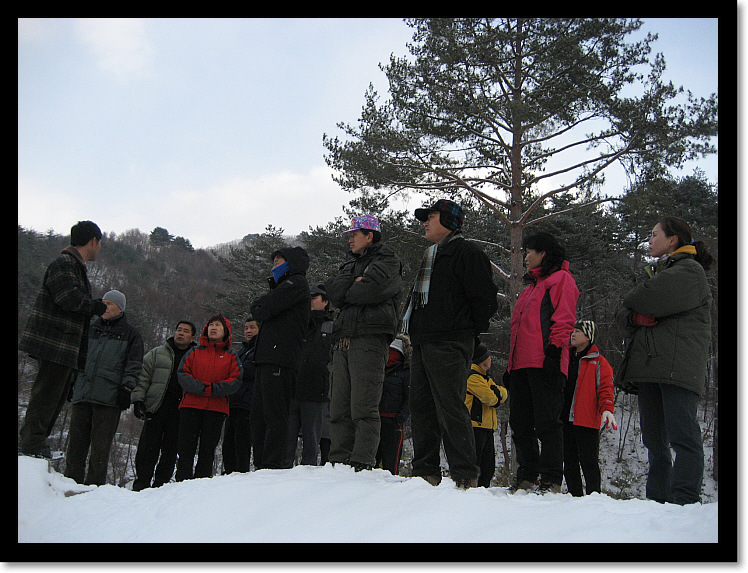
pixel 326 504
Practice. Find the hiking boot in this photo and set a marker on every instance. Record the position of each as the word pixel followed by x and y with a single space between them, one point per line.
pixel 433 480
pixel 522 485
pixel 44 453
pixel 548 487
pixel 466 483
pixel 358 466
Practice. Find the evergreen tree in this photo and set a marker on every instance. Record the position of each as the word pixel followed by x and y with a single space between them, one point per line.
pixel 247 269
pixel 503 109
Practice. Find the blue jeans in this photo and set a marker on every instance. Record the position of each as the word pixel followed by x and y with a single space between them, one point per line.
pixel 667 415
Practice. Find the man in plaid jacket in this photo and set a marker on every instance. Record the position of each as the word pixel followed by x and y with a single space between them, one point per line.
pixel 56 335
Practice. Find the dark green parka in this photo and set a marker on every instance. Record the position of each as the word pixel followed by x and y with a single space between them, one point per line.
pixel 369 306
pixel 115 360
pixel 676 349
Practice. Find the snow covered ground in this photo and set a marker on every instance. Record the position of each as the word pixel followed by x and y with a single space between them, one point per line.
pixel 311 504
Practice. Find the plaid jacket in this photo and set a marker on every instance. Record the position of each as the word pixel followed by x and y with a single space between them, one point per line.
pixel 57 328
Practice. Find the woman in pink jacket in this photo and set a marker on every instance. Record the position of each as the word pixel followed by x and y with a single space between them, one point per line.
pixel 542 320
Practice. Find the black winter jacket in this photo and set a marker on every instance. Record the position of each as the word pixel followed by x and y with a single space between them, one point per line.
pixel 284 314
pixel 313 383
pixel 462 295
pixel 242 398
pixel 369 306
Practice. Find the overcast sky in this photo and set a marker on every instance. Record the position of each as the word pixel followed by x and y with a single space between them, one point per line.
pixel 213 128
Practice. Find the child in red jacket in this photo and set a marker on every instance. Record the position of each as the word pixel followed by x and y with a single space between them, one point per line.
pixel 208 373
pixel 588 404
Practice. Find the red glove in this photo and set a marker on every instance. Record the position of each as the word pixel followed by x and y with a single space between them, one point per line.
pixel 638 319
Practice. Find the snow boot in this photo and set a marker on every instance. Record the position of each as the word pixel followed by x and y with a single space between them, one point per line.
pixel 548 487
pixel 522 485
pixel 466 483
pixel 433 480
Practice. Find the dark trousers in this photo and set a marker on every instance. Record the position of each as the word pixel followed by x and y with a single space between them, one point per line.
pixel 356 389
pixel 304 418
pixel 390 444
pixel 237 441
pixel 92 427
pixel 485 454
pixel 667 415
pixel 535 403
pixel 438 385
pixel 581 448
pixel 271 401
pixel 201 427
pixel 48 395
pixel 157 448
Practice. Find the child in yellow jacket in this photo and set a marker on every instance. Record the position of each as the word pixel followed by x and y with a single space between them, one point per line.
pixel 482 398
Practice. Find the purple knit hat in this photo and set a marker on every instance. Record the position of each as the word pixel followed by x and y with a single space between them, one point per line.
pixel 365 222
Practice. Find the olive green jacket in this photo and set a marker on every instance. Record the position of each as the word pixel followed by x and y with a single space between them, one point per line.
pixel 676 349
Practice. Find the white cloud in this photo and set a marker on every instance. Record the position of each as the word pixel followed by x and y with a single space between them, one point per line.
pixel 41 208
pixel 119 44
pixel 232 209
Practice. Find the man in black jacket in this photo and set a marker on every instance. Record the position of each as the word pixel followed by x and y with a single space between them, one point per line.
pixel 450 304
pixel 284 314
pixel 367 290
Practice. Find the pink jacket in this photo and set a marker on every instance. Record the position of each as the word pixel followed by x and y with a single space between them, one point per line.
pixel 545 313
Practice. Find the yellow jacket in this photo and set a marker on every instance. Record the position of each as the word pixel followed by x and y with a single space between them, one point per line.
pixel 483 396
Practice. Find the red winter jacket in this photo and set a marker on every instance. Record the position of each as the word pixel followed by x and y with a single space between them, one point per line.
pixel 594 392
pixel 209 373
pixel 544 314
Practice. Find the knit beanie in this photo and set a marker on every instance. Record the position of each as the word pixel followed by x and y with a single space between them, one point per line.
pixel 481 354
pixel 117 298
pixel 589 329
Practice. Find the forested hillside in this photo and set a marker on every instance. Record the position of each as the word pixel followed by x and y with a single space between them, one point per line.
pixel 166 280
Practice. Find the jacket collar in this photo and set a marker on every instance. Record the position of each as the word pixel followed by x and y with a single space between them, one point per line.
pixel 71 250
pixel 592 352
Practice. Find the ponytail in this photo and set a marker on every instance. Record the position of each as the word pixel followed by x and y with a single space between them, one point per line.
pixel 703 256
pixel 678 227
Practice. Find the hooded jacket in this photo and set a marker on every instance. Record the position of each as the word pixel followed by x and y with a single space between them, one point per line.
pixel 284 313
pixel 369 306
pixel 545 313
pixel 675 350
pixel 115 359
pixel 209 372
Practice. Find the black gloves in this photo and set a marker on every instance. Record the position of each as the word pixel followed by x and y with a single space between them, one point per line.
pixel 123 398
pixel 552 361
pixel 139 410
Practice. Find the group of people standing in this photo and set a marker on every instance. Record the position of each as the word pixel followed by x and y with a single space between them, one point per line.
pixel 348 381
